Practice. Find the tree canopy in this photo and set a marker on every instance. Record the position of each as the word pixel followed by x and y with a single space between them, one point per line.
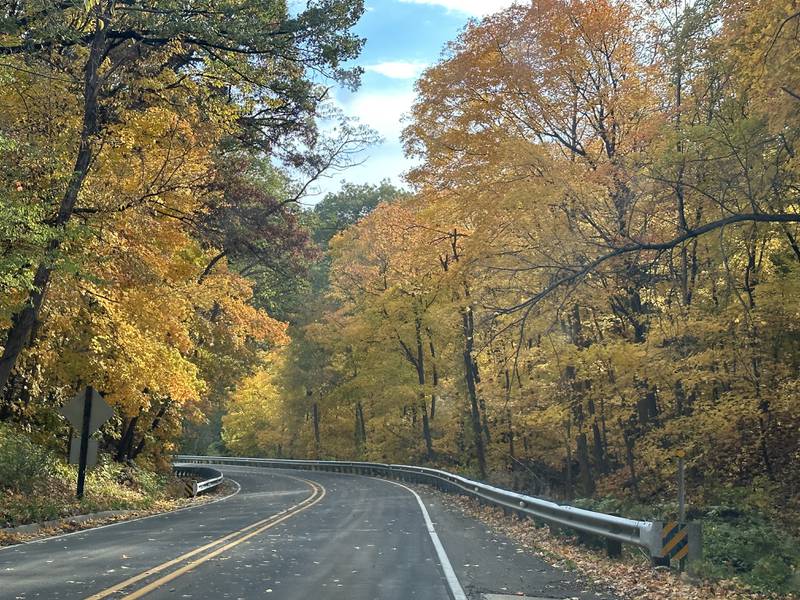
pixel 596 266
pixel 147 216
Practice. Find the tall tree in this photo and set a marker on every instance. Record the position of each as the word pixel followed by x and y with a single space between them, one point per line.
pixel 253 59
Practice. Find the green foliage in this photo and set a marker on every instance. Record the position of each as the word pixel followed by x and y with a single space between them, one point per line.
pixel 36 485
pixel 22 463
pixel 337 211
pixel 748 546
pixel 23 233
pixel 739 540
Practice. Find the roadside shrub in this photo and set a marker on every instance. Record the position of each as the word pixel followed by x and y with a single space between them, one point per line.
pixel 739 541
pixel 748 546
pixel 148 482
pixel 22 463
pixel 36 485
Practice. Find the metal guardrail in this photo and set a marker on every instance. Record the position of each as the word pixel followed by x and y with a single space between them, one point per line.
pixel 615 530
pixel 203 478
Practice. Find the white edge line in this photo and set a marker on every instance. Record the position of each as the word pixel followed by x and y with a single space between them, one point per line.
pixel 114 524
pixel 450 575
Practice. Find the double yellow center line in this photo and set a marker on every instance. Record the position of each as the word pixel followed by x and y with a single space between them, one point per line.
pixel 210 550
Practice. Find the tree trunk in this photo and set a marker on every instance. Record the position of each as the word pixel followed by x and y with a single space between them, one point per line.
pixel 461 434
pixel 682 225
pixel 568 459
pixel 357 432
pixel 419 363
pixel 584 470
pixel 434 374
pixel 315 420
pixel 764 418
pixel 510 431
pixel 126 441
pixel 647 405
pixel 604 431
pixel 426 430
pixel 680 398
pixel 597 440
pixel 484 420
pixel 23 322
pixel 599 457
pixel 361 427
pixel 630 459
pixel 153 427
pixel 472 393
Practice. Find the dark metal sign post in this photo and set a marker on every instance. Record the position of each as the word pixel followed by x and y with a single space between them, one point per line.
pixel 681 488
pixel 87 415
pixel 86 412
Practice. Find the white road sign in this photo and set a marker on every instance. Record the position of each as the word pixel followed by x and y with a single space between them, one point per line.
pixel 100 413
pixel 75 452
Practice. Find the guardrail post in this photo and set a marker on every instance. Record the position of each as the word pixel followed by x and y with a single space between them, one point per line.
pixel 695 545
pixel 190 489
pixel 613 548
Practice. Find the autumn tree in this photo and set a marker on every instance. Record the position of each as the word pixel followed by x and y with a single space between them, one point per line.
pixel 242 65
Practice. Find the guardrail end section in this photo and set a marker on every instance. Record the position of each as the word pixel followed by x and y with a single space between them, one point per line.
pixel 652 537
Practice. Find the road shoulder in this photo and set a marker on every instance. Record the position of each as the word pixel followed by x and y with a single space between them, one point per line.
pixel 489 562
pixel 34 532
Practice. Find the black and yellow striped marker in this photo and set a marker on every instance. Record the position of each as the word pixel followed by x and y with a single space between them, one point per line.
pixel 674 540
pixel 188 488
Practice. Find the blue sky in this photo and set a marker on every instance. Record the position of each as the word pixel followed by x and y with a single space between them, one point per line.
pixel 402 38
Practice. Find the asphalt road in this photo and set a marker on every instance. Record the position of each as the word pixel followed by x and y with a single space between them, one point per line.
pixel 289 535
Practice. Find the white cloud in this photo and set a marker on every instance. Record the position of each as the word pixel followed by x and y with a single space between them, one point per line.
pixel 397 69
pixel 475 8
pixel 382 111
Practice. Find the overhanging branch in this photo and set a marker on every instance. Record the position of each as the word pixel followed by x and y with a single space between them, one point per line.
pixel 647 247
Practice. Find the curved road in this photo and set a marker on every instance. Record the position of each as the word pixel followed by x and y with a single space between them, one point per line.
pixel 289 535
